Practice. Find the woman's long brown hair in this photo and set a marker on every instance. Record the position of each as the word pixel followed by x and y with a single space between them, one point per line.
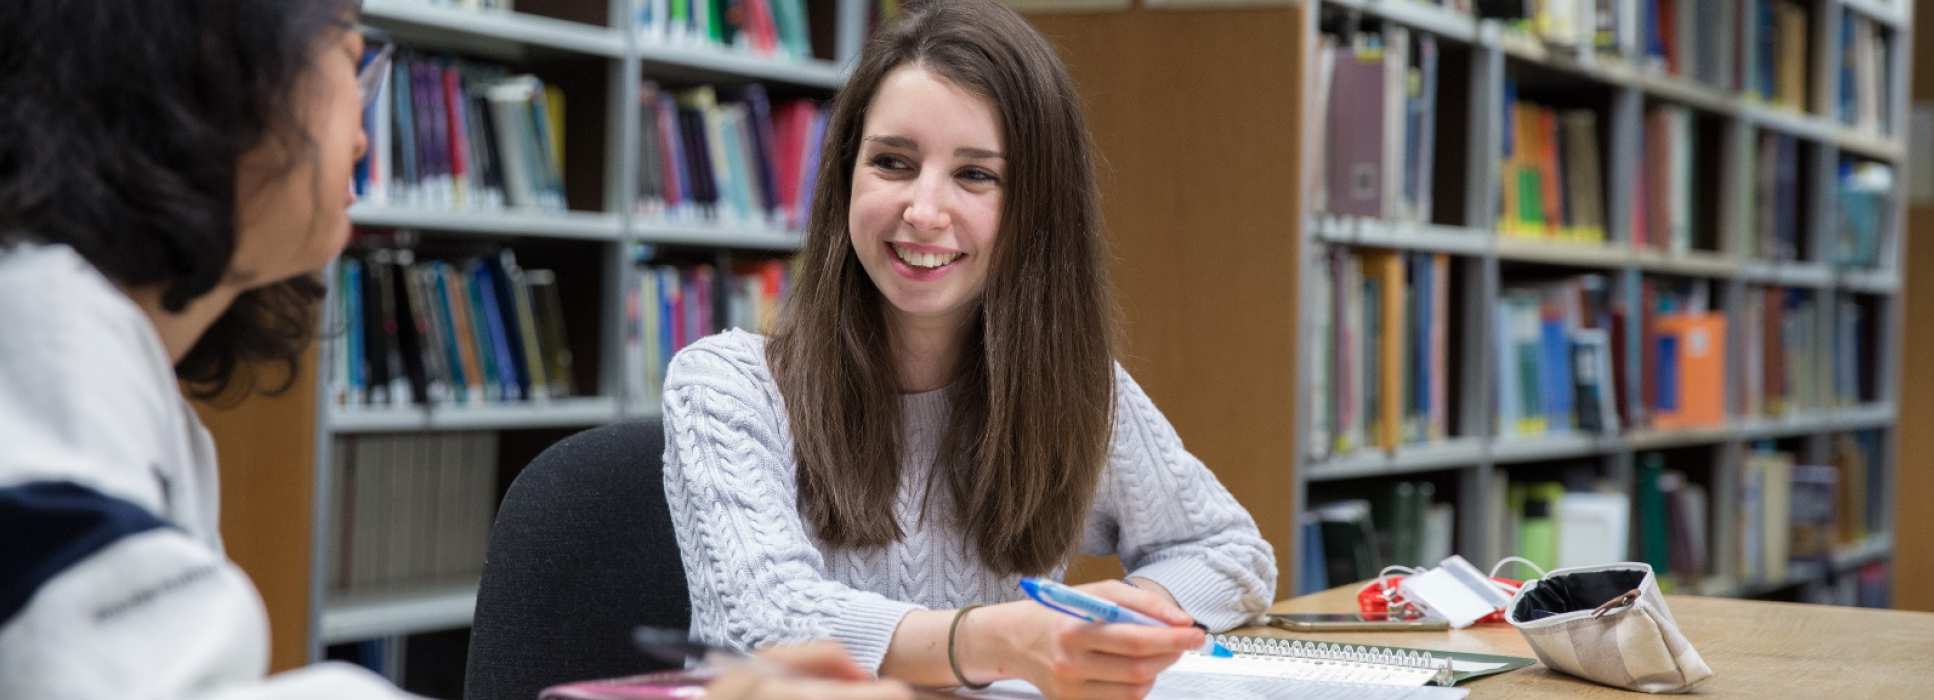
pixel 1033 396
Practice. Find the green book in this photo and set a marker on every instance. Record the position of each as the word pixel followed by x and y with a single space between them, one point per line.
pixel 1531 198
pixel 715 25
pixel 1410 525
pixel 1654 538
pixel 1538 530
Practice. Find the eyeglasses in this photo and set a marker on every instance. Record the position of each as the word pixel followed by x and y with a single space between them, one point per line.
pixel 369 79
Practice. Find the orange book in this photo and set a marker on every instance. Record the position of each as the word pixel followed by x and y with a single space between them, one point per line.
pixel 1387 268
pixel 1548 172
pixel 467 351
pixel 1699 377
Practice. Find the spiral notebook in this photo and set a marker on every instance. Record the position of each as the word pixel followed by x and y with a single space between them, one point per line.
pixel 1298 659
pixel 1270 667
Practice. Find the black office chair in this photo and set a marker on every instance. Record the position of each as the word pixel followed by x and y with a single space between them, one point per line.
pixel 582 552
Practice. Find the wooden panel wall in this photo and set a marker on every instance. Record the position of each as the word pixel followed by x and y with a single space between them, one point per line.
pixel 1195 115
pixel 1914 448
pixel 267 450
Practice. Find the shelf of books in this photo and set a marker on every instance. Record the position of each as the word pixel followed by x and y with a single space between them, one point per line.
pixel 1604 287
pixel 1622 44
pixel 559 195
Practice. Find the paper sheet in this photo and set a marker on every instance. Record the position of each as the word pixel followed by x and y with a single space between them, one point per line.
pixel 1192 686
pixel 1462 666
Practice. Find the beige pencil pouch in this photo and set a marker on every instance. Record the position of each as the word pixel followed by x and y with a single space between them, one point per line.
pixel 1607 624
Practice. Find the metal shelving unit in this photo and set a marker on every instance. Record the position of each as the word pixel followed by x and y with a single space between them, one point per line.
pixel 628 58
pixel 395 613
pixel 714 236
pixel 503 34
pixel 1474 457
pixel 559 413
pixel 521 223
pixel 711 63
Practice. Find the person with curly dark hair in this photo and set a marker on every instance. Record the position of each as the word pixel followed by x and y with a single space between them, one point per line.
pixel 173 177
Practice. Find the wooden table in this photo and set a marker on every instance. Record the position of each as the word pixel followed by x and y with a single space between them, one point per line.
pixel 1755 649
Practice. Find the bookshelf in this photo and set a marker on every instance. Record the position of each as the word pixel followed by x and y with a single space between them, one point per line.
pixel 601 52
pixel 397 613
pixel 1480 65
pixel 587 226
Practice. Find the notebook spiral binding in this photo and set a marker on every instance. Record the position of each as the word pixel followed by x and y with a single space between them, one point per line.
pixel 1252 645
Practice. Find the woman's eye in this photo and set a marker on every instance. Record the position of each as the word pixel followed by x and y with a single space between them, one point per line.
pixel 979 175
pixel 889 162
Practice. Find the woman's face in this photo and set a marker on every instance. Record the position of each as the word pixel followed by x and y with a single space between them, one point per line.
pixel 925 205
pixel 293 190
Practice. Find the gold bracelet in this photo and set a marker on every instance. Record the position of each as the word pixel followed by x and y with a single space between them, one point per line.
pixel 953 661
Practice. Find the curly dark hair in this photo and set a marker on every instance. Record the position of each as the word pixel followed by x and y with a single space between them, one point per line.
pixel 124 122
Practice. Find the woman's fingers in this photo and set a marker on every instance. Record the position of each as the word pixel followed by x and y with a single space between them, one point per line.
pixel 1134 640
pixel 1131 670
pixel 1144 601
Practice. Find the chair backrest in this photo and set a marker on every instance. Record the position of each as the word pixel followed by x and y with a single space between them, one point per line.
pixel 582 552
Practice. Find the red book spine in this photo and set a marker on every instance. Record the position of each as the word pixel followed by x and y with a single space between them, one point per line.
pixel 459 137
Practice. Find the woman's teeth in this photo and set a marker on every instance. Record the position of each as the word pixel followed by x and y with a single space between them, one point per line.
pixel 925 260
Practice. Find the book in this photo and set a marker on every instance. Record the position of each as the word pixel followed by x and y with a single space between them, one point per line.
pixel 1692 370
pixel 1349 540
pixel 1537 527
pixel 1865 192
pixel 1355 169
pixel 1591 528
pixel 454 133
pixel 1812 508
pixel 779 30
pixel 1654 540
pixel 1385 270
pixel 411 510
pixel 462 330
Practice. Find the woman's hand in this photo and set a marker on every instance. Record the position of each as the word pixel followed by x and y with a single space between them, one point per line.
pixel 1065 657
pixel 820 670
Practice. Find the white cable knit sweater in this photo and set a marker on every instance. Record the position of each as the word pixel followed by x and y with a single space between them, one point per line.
pixel 758 575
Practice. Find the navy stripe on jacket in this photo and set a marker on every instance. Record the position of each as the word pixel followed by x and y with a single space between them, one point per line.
pixel 48 526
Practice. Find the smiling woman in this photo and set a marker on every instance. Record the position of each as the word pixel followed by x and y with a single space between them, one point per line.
pixel 939 412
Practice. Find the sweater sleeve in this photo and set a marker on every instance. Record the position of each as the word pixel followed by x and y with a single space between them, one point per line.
pixel 1174 524
pixel 755 576
pixel 101 598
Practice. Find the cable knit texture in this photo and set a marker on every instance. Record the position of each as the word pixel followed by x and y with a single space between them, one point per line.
pixel 758 575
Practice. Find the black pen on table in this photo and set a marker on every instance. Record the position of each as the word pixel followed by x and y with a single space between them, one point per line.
pixel 675 646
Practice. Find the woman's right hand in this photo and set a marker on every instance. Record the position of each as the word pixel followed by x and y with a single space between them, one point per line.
pixel 1065 657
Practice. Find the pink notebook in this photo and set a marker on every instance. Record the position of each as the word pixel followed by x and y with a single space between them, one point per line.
pixel 664 685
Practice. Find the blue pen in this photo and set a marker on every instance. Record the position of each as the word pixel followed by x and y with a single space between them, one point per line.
pixel 1069 600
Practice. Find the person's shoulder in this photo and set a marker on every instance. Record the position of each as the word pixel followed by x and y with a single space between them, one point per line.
pixel 1128 393
pixel 733 359
pixel 65 313
pixel 51 285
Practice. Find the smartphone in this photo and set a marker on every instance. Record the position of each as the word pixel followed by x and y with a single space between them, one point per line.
pixel 1354 622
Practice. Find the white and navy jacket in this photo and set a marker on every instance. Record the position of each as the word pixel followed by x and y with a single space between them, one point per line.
pixel 113 583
